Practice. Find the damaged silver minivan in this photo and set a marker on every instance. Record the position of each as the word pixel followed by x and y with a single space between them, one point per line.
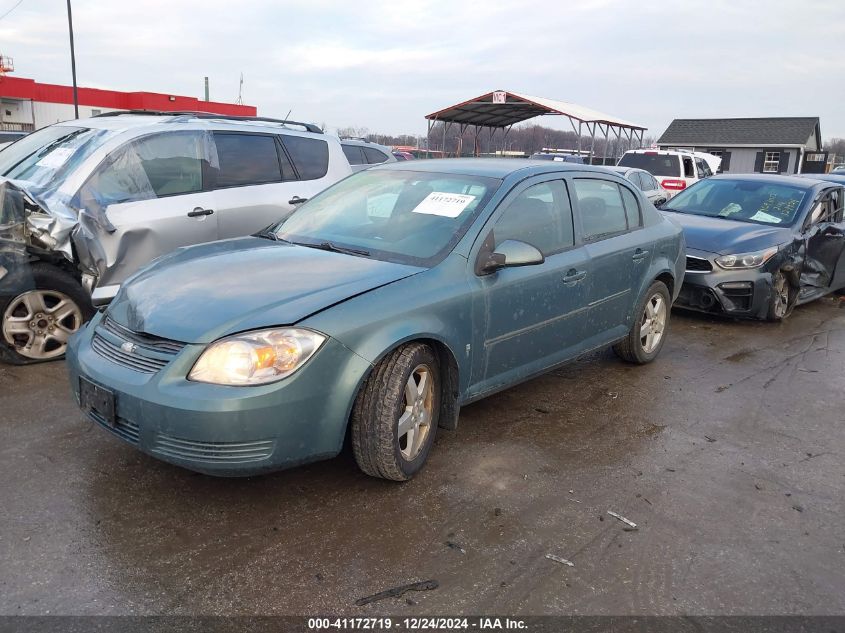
pixel 85 203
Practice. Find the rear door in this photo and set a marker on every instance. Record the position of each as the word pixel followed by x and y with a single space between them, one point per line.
pixel 252 186
pixel 530 317
pixel 611 228
pixel 355 155
pixel 152 195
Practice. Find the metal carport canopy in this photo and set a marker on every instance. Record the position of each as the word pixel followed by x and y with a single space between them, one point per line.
pixel 502 109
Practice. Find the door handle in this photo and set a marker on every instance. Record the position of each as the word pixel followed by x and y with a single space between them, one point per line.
pixel 199 211
pixel 639 255
pixel 573 276
pixel 297 200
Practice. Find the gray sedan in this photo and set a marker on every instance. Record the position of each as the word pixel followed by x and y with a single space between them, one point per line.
pixel 645 182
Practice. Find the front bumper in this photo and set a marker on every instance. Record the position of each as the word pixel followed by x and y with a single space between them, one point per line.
pixel 219 430
pixel 741 293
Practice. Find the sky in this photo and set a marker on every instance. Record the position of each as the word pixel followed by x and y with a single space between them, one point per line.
pixel 384 64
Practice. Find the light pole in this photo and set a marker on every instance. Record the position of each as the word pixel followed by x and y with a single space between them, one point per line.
pixel 72 62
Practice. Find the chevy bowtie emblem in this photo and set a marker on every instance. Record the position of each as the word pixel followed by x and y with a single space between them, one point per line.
pixel 128 347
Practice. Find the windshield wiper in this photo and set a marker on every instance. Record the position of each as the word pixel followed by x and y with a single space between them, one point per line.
pixel 59 141
pixel 334 248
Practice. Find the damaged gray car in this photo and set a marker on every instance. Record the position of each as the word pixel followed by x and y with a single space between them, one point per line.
pixel 759 245
pixel 84 204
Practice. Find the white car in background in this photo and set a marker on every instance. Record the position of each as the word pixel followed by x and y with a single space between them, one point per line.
pixel 675 170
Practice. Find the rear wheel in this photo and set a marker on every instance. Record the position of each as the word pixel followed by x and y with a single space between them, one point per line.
pixel 38 321
pixel 395 416
pixel 783 298
pixel 648 331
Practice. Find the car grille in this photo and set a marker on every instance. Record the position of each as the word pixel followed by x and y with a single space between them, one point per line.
pixel 698 265
pixel 141 339
pixel 133 350
pixel 124 429
pixel 213 452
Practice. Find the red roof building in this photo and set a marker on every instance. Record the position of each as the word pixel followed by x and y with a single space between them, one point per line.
pixel 27 105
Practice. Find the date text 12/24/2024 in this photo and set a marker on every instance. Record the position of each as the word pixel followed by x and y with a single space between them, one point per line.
pixel 416 624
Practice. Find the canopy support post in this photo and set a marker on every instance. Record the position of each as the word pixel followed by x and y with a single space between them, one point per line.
pixel 592 140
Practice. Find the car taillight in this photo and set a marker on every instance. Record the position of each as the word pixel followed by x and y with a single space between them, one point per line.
pixel 673 184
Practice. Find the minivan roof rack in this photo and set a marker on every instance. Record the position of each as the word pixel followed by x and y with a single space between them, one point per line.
pixel 310 127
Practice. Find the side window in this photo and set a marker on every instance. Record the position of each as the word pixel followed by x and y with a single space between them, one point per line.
pixel 632 208
pixel 652 181
pixel 310 156
pixel 153 166
pixel 374 157
pixel 246 159
pixel 647 180
pixel 353 154
pixel 828 209
pixel 703 168
pixel 689 172
pixel 541 216
pixel 601 208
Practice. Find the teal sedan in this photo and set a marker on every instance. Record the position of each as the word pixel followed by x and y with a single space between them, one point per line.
pixel 375 312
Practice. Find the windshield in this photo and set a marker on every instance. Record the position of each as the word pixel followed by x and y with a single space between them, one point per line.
pixel 403 216
pixel 655 164
pixel 754 201
pixel 45 156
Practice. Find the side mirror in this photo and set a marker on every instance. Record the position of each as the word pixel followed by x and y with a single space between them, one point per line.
pixel 511 253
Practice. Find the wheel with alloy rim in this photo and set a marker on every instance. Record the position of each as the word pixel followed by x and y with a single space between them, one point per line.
pixel 38 322
pixel 783 298
pixel 648 328
pixel 395 416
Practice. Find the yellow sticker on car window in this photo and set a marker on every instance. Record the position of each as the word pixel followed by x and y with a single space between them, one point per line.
pixel 447 205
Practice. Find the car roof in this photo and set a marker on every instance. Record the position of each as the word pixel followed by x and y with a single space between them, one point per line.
pixel 488 167
pixel 133 120
pixel 363 143
pixel 792 180
pixel 838 178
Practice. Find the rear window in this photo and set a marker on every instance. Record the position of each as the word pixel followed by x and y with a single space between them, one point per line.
pixel 246 159
pixel 656 164
pixel 310 156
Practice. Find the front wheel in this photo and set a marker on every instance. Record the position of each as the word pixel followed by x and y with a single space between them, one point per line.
pixel 648 331
pixel 783 298
pixel 395 416
pixel 38 321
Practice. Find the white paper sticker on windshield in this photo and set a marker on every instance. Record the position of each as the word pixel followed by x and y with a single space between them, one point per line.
pixel 56 158
pixel 762 216
pixel 448 205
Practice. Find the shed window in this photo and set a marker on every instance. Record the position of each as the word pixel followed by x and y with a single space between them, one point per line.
pixel 771 162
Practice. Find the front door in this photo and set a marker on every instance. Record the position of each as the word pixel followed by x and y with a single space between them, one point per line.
pixel 146 199
pixel 824 265
pixel 530 317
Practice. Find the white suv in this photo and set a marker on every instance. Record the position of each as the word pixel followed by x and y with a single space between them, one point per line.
pixel 675 170
pixel 86 203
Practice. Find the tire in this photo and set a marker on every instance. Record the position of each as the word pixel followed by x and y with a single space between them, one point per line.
pixel 782 301
pixel 653 310
pixel 383 404
pixel 39 319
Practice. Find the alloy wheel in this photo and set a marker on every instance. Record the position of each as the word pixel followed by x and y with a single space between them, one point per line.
pixel 414 423
pixel 653 323
pixel 781 289
pixel 38 323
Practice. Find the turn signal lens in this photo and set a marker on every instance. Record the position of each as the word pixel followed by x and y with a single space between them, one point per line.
pixel 256 358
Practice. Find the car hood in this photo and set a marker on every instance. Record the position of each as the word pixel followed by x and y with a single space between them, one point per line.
pixel 200 293
pixel 724 237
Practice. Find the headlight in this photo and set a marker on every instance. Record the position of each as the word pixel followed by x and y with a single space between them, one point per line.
pixel 256 358
pixel 746 260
